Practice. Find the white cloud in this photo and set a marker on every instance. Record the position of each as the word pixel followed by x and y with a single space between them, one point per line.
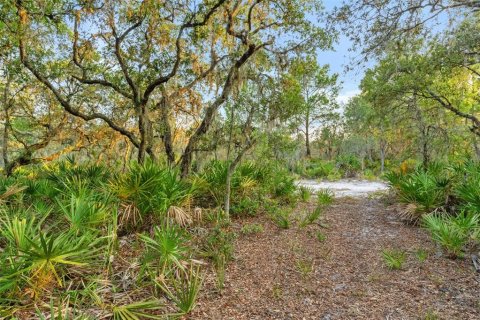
pixel 347 95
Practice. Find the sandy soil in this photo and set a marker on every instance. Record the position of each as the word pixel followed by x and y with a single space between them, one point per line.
pixel 342 188
pixel 290 274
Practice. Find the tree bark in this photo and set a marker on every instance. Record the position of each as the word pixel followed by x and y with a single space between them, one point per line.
pixel 186 160
pixel 307 134
pixel 165 127
pixel 142 128
pixel 382 157
pixel 476 147
pixel 6 124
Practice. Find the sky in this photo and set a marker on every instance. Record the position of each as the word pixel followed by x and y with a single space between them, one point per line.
pixel 338 59
pixel 342 56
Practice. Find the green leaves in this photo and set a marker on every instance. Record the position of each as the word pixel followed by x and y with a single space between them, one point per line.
pixel 424 190
pixel 394 259
pixel 17 231
pixel 451 232
pixel 151 188
pixel 166 249
pixel 184 288
pixel 83 212
pixel 48 252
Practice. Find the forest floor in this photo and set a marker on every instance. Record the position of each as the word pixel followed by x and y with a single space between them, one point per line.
pixel 291 274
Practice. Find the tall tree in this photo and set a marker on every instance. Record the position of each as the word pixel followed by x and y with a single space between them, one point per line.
pixel 318 93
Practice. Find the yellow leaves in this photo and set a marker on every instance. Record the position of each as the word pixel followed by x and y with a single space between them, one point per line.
pixel 162 33
pixel 197 66
pixel 23 16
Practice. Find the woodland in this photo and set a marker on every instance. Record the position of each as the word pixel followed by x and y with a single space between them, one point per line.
pixel 154 155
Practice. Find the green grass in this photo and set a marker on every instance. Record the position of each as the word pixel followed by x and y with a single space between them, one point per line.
pixel 421 255
pixel 305 193
pixel 325 197
pixel 252 228
pixel 321 237
pixel 311 216
pixel 394 259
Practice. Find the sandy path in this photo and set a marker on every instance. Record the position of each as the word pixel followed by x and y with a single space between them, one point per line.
pixel 342 188
pixel 290 274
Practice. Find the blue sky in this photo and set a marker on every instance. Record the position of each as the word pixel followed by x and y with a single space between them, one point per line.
pixel 339 58
pixel 342 56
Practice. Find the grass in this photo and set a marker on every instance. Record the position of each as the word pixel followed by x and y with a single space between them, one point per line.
pixel 252 228
pixel 311 217
pixel 325 197
pixel 305 193
pixel 430 315
pixel 421 255
pixel 281 217
pixel 321 237
pixel 304 267
pixel 394 259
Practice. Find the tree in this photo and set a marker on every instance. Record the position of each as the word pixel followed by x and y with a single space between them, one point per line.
pixel 376 26
pixel 136 66
pixel 318 90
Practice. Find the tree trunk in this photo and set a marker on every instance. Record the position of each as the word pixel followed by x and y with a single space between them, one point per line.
pixel 5 143
pixel 211 110
pixel 307 135
pixel 307 145
pixel 477 147
pixel 165 127
pixel 382 158
pixel 142 128
pixel 6 124
pixel 425 157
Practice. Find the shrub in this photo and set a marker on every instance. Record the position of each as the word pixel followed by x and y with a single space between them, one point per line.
pixel 422 190
pixel 149 189
pixel 50 254
pixel 349 165
pixel 283 186
pixel 468 187
pixel 319 169
pixel 183 288
pixel 452 233
pixel 166 249
pixel 248 181
pixel 136 310
pixel 83 211
pixel 245 206
pixel 218 246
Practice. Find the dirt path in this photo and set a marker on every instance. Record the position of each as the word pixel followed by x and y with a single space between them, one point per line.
pixel 290 274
